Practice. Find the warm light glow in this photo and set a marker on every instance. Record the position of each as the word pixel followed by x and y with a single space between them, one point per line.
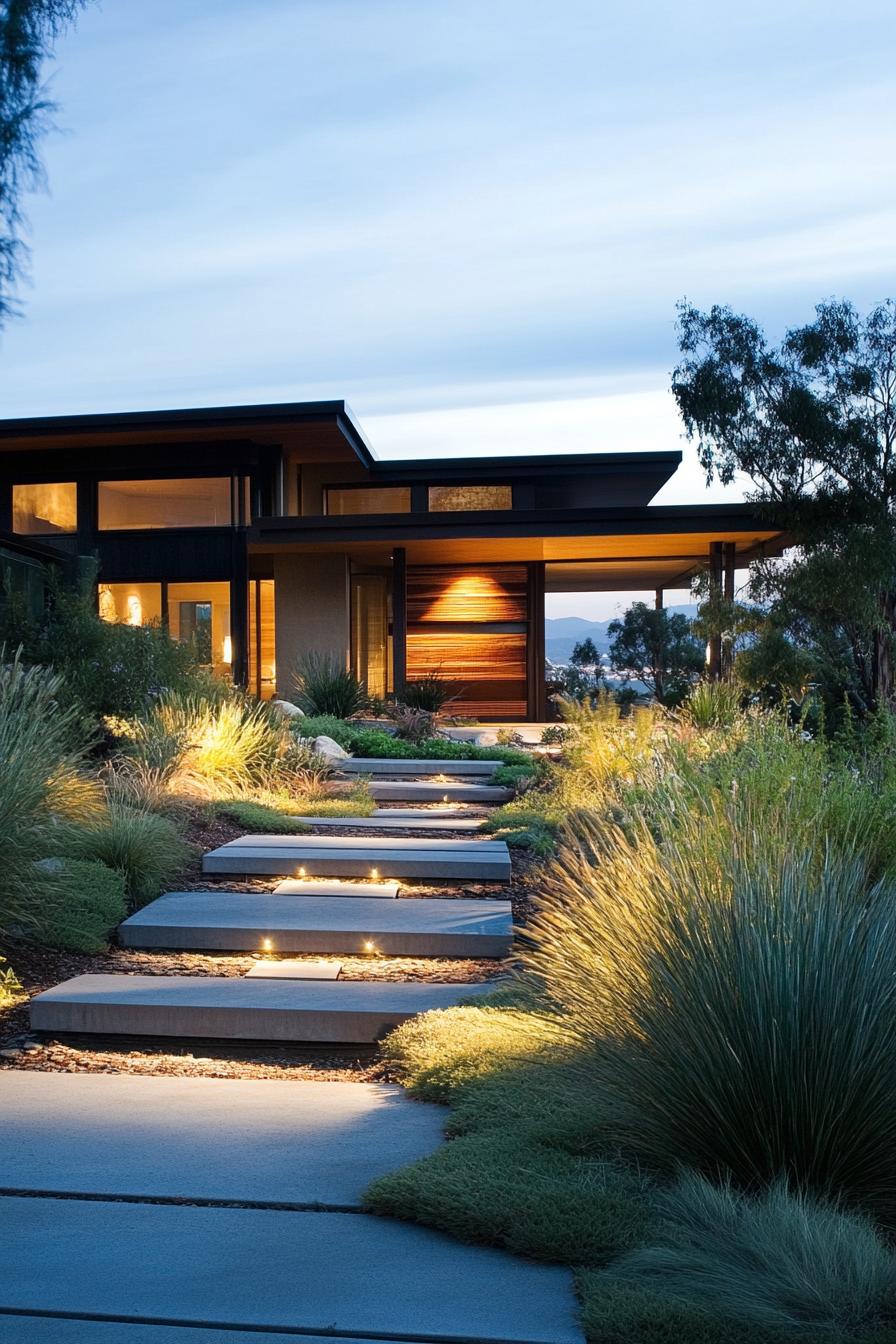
pixel 374 873
pixel 369 946
pixel 135 609
pixel 227 656
pixel 444 797
pixel 465 598
pixel 267 945
pixel 303 872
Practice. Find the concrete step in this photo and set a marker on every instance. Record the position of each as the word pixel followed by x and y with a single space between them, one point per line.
pixel 351 926
pixel 441 810
pixel 424 821
pixel 229 1008
pixel 377 765
pixel 250 1140
pixel 360 856
pixel 267 969
pixel 432 791
pixel 305 1273
pixel 331 886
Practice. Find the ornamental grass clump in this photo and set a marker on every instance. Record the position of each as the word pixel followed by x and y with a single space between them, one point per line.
pixel 324 685
pixel 43 786
pixel 778 1259
pixel 213 747
pixel 736 997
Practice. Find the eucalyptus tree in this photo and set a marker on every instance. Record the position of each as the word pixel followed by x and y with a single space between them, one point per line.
pixel 28 31
pixel 811 420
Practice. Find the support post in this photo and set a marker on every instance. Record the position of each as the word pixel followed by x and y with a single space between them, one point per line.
pixel 399 621
pixel 658 599
pixel 537 698
pixel 714 648
pixel 239 608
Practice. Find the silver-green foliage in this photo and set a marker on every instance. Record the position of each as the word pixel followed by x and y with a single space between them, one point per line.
pixel 738 1003
pixel 779 1259
pixel 42 788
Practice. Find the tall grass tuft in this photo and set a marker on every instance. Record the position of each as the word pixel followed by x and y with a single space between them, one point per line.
pixel 714 704
pixel 145 848
pixel 780 1260
pixel 210 747
pixel 42 785
pixel 737 1001
pixel 324 685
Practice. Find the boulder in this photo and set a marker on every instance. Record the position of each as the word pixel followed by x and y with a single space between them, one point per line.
pixel 330 749
pixel 486 739
pixel 288 709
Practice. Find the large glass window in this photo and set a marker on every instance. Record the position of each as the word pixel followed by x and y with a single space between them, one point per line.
pixel 131 603
pixel 388 499
pixel 262 639
pixel 463 498
pixel 42 510
pixel 139 505
pixel 199 614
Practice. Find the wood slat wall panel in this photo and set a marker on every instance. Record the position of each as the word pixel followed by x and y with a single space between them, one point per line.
pixel 484 653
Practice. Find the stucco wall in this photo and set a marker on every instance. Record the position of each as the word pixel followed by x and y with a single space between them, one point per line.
pixel 312 605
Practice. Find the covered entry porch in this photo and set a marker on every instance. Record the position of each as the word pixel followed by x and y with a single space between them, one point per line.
pixel 465 598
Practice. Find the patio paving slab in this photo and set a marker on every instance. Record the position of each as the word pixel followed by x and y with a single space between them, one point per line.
pixel 331 886
pixel 319 1273
pixel 294 970
pixel 351 926
pixel 159 1137
pixel 432 791
pixel 16 1329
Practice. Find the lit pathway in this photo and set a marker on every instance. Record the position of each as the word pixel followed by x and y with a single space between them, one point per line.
pixel 144 1210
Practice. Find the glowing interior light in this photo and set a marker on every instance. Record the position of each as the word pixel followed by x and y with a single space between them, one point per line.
pixel 135 609
pixel 227 656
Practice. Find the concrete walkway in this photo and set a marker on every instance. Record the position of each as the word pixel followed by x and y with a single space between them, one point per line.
pixel 187 1211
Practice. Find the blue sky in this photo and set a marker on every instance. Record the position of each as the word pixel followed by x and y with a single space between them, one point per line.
pixel 470 219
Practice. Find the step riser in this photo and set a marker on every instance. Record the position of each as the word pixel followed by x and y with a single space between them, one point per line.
pixel 449 867
pixel 341 942
pixel 410 791
pixel 398 824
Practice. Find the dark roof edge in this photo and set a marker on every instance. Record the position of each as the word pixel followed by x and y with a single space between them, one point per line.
pixel 285 412
pixel 666 459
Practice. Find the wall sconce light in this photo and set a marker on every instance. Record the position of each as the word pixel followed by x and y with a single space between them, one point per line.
pixel 228 649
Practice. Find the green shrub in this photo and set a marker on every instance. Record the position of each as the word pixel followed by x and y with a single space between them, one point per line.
pixel 324 725
pixel 42 782
pixel 324 685
pixel 358 803
pixel 107 669
pixel 87 902
pixel 10 987
pixel 257 817
pixel 780 1260
pixel 145 848
pixel 623 1313
pixel 737 1006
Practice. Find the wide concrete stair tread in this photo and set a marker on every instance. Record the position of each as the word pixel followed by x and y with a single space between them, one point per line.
pixel 351 926
pixel 310 886
pixel 240 1140
pixel 387 823
pixel 375 765
pixel 231 1008
pixel 432 791
pixel 361 856
pixel 337 1274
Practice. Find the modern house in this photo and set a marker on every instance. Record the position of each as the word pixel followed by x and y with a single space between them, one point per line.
pixel 261 532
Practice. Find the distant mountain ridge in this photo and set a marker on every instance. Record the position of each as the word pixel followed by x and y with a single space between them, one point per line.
pixel 562 633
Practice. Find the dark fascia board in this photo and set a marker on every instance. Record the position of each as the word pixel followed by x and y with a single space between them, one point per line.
pixel 275 413
pixel 622 521
pixel 536 464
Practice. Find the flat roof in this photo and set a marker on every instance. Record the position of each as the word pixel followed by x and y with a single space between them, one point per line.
pixel 267 421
